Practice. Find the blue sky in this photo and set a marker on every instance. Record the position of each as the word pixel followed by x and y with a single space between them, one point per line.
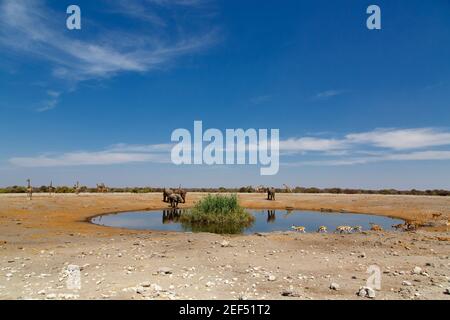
pixel 355 108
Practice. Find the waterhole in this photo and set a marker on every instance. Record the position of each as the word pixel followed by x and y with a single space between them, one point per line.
pixel 265 221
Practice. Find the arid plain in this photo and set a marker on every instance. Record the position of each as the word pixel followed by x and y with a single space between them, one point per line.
pixel 41 237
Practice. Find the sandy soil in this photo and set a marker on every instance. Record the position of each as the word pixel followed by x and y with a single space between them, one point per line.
pixel 39 239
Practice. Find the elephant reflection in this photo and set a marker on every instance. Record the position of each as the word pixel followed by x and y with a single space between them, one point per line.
pixel 171 216
pixel 271 216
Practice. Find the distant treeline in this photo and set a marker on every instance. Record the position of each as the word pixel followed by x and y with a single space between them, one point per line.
pixel 249 189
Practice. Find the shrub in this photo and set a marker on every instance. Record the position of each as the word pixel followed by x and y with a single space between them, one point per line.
pixel 218 213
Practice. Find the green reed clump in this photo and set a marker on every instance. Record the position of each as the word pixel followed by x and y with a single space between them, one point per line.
pixel 218 212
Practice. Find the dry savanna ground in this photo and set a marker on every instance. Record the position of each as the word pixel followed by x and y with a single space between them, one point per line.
pixel 39 239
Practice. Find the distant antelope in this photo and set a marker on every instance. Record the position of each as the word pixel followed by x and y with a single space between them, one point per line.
pixel 299 229
pixel 51 188
pixel 437 215
pixel 29 189
pixel 400 226
pixel 77 188
pixel 411 226
pixel 375 227
pixel 101 188
pixel 343 229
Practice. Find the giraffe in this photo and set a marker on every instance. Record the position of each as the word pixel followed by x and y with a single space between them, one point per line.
pixel 29 189
pixel 288 189
pixel 77 188
pixel 260 189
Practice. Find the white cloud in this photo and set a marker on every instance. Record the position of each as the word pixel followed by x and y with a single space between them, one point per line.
pixel 31 27
pixel 329 94
pixel 311 144
pixel 412 156
pixel 89 158
pixel 51 102
pixel 355 148
pixel 402 139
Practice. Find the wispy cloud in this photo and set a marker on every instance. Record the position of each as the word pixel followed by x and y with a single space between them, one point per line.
pixel 117 154
pixel 328 94
pixel 373 146
pixel 51 102
pixel 312 144
pixel 31 27
pixel 411 156
pixel 402 139
pixel 147 10
pixel 353 148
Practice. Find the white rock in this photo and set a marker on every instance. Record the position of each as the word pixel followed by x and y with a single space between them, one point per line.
pixel 272 278
pixel 407 283
pixel 224 244
pixel 417 270
pixel 155 287
pixel 366 292
pixel 334 286
pixel 370 292
pixel 165 270
pixel 140 290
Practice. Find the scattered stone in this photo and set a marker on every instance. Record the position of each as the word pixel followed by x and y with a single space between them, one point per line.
pixel 290 293
pixel 164 270
pixel 225 244
pixel 366 292
pixel 417 270
pixel 406 283
pixel 334 286
pixel 155 287
pixel 140 290
pixel 272 278
pixel 447 291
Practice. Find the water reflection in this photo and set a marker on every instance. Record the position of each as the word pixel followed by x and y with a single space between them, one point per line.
pixel 271 216
pixel 171 216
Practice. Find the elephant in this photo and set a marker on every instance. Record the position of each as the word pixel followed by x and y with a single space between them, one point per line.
pixel 174 200
pixel 182 193
pixel 270 193
pixel 166 194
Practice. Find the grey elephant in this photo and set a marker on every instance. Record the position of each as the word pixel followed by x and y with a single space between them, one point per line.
pixel 166 194
pixel 174 200
pixel 182 193
pixel 270 193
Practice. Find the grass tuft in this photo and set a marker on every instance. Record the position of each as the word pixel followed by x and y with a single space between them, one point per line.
pixel 219 214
